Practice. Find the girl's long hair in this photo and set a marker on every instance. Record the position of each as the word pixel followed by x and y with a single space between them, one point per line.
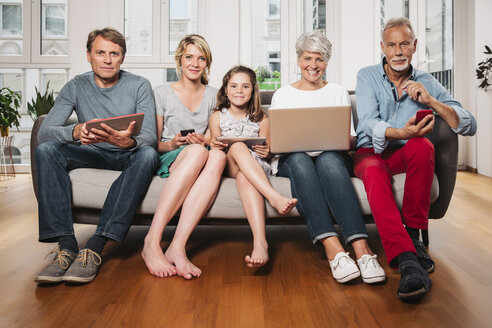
pixel 254 104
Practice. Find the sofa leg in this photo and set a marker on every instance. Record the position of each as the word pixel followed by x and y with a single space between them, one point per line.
pixel 425 237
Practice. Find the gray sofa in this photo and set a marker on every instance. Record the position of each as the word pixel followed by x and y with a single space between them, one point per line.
pixel 90 186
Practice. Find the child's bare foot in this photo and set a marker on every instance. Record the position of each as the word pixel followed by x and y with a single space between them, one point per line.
pixel 156 262
pixel 184 267
pixel 283 205
pixel 259 256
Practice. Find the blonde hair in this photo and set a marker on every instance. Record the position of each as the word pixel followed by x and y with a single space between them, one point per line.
pixel 253 110
pixel 202 45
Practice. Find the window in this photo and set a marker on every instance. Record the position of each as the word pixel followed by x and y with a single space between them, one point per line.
pixel 154 28
pixel 313 15
pixel 138 27
pixel 261 48
pixel 392 8
pixel 439 42
pixel 54 36
pixel 56 79
pixel 182 21
pixel 12 79
pixel 11 28
pixel 274 8
pixel 11 20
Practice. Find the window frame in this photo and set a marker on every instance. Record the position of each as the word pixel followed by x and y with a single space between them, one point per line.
pixel 26 36
pixel 37 35
pixel 43 23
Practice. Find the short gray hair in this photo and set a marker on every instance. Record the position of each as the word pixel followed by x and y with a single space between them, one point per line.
pixel 314 41
pixel 398 21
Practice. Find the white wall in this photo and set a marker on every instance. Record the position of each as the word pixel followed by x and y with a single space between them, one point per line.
pixel 220 26
pixel 357 42
pixel 483 100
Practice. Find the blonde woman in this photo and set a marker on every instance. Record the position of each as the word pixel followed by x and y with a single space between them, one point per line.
pixel 193 173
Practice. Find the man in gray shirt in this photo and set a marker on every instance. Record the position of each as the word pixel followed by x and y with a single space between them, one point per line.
pixel 104 92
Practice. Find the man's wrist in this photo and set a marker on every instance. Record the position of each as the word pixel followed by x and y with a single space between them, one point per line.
pixel 76 132
pixel 132 144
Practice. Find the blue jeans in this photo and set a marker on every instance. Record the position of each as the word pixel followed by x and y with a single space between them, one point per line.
pixel 322 184
pixel 55 160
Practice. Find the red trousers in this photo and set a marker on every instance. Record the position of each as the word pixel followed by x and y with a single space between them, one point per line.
pixel 416 158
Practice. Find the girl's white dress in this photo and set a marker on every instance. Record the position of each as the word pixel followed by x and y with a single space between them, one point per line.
pixel 233 128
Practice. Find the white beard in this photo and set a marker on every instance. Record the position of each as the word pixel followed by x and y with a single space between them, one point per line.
pixel 399 68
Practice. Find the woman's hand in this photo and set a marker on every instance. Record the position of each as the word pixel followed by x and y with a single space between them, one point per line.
pixel 196 138
pixel 263 151
pixel 178 141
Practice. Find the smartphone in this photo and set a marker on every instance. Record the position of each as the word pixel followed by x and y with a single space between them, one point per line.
pixel 185 132
pixel 422 113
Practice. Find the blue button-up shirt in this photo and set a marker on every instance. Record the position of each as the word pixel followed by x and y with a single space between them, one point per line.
pixel 378 106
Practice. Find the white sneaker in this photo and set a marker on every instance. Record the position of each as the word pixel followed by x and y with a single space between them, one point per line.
pixel 370 269
pixel 343 268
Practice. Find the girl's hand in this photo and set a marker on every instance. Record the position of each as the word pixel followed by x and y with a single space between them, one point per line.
pixel 263 151
pixel 196 138
pixel 218 144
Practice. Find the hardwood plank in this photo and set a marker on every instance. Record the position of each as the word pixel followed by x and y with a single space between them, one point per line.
pixel 294 290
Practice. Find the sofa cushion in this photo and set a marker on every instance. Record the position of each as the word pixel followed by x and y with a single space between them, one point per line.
pixel 90 188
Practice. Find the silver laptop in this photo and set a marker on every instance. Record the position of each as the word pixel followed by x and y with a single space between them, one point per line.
pixel 309 129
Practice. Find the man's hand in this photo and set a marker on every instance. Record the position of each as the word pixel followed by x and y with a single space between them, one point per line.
pixel 263 151
pixel 412 130
pixel 122 139
pixel 80 133
pixel 418 92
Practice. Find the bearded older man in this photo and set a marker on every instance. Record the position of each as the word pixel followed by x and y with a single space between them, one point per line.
pixel 391 141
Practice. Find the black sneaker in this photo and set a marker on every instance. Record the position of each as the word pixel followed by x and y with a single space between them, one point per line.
pixel 85 267
pixel 414 283
pixel 55 271
pixel 423 257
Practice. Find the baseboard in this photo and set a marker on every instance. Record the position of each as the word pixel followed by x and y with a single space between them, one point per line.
pixel 467 168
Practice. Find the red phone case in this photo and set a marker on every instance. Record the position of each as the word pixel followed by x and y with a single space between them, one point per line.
pixel 421 114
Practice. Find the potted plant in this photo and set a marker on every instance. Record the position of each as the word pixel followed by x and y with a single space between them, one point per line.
pixel 484 70
pixel 9 113
pixel 42 104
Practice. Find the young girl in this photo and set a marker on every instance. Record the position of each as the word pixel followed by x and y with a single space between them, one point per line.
pixel 238 114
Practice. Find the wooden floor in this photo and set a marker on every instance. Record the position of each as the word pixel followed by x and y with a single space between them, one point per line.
pixel 295 290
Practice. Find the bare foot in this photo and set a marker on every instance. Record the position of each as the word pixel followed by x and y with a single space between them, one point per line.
pixel 283 205
pixel 184 267
pixel 156 262
pixel 259 256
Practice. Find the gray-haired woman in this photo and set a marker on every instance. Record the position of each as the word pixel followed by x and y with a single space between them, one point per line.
pixel 321 180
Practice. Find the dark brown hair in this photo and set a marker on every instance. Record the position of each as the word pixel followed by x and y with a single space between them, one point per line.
pixel 254 104
pixel 110 34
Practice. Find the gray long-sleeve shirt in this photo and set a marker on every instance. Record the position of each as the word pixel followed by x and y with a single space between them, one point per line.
pixel 131 94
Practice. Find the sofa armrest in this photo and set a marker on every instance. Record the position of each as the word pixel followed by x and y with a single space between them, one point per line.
pixel 446 148
pixel 34 145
